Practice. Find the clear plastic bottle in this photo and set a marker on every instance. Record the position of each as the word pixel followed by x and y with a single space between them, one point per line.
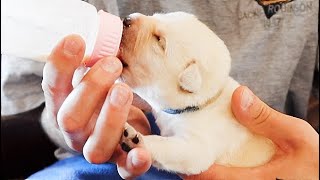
pixel 31 28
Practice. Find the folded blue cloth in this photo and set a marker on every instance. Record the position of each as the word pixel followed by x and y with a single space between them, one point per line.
pixel 77 168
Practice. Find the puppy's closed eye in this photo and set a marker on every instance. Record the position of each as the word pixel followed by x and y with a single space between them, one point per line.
pixel 160 40
pixel 157 37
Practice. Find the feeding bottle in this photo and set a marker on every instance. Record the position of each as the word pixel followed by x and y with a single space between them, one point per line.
pixel 31 28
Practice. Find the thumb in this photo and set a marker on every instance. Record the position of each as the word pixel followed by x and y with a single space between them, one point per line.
pixel 219 172
pixel 258 117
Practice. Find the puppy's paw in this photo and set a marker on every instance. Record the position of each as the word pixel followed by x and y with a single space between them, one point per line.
pixel 130 138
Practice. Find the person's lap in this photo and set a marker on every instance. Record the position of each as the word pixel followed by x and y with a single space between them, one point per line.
pixel 77 167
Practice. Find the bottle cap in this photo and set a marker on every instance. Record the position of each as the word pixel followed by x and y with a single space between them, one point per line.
pixel 108 37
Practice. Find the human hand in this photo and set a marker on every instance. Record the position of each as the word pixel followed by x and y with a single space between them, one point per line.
pixel 297 154
pixel 92 115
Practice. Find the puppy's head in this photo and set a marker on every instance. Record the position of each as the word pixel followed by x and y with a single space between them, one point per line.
pixel 172 60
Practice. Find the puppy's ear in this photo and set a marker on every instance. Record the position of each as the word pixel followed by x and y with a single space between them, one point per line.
pixel 190 78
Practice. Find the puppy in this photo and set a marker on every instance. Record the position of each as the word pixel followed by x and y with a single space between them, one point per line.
pixel 181 68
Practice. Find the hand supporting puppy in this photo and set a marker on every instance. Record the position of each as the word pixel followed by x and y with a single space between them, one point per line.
pixel 92 115
pixel 297 143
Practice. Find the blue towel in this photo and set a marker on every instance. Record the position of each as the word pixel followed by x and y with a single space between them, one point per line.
pixel 78 168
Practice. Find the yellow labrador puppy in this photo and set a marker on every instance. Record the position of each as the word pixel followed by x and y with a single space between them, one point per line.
pixel 181 68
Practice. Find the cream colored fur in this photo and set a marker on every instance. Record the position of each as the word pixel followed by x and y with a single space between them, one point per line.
pixel 175 61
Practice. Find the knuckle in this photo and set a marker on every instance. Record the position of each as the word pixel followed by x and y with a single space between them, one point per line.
pixel 100 77
pixel 304 124
pixel 59 54
pixel 306 134
pixel 51 86
pixel 95 157
pixel 48 89
pixel 69 124
pixel 117 125
pixel 74 146
pixel 96 84
pixel 54 91
pixel 90 156
pixel 263 114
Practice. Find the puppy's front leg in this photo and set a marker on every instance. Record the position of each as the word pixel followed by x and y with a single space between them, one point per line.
pixel 170 153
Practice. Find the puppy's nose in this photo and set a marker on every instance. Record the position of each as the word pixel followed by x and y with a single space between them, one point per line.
pixel 127 21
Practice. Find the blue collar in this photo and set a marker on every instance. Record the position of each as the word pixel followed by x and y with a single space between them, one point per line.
pixel 179 111
pixel 192 108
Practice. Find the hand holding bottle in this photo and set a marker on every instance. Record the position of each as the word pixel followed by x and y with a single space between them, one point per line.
pixel 91 116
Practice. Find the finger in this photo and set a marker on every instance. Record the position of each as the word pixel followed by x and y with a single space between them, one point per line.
pixel 137 162
pixel 141 103
pixel 250 111
pixel 58 71
pixel 109 126
pixel 139 121
pixel 78 108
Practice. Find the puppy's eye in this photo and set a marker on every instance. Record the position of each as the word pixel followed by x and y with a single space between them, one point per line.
pixel 160 40
pixel 157 37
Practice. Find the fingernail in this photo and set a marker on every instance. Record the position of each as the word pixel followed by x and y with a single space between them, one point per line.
pixel 119 96
pixel 71 46
pixel 111 65
pixel 246 99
